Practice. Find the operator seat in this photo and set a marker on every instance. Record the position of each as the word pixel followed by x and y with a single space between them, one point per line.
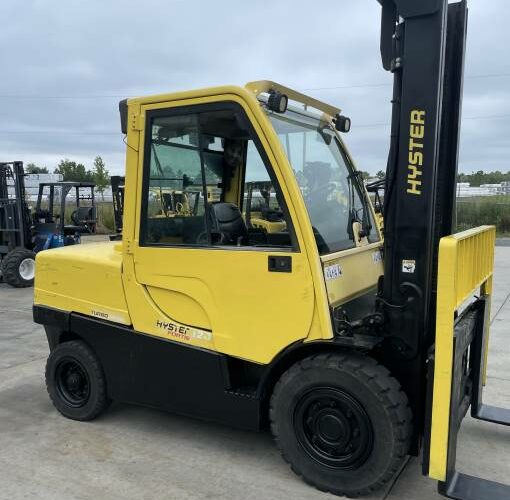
pixel 228 221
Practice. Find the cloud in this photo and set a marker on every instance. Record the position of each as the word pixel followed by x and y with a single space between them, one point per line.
pixel 65 66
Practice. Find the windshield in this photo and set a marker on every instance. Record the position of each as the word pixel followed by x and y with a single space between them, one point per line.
pixel 330 186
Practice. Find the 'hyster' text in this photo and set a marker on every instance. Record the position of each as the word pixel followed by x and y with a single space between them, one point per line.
pixel 184 332
pixel 416 140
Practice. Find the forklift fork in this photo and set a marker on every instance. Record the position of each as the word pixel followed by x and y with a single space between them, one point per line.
pixel 457 362
pixel 479 354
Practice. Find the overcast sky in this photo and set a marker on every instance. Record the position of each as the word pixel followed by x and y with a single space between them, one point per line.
pixel 65 65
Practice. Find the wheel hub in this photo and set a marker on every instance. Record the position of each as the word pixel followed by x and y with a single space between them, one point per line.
pixel 333 428
pixel 27 269
pixel 72 382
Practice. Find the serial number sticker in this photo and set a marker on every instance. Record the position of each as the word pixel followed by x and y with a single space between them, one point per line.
pixel 332 272
pixel 408 266
pixel 377 257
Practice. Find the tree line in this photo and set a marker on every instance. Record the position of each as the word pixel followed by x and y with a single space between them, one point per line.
pixel 76 172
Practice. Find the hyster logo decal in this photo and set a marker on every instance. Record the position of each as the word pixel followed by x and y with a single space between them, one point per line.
pixel 184 332
pixel 416 136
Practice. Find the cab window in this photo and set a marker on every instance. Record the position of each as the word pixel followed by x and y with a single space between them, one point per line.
pixel 332 191
pixel 207 182
pixel 174 205
pixel 263 207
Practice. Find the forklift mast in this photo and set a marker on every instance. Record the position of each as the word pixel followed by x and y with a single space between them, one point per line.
pixel 14 212
pixel 423 45
pixel 117 183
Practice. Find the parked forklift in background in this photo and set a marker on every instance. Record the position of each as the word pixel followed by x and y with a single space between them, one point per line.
pixel 262 208
pixel 117 183
pixel 51 206
pixel 17 258
pixel 356 350
pixel 24 233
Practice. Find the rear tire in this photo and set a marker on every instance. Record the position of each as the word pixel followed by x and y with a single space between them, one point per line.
pixel 18 268
pixel 75 381
pixel 342 422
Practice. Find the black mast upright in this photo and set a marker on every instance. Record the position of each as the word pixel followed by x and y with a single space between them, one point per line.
pixel 422 43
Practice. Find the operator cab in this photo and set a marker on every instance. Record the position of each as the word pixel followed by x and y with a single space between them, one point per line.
pixel 210 182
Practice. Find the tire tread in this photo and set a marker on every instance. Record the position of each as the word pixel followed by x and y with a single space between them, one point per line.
pixel 388 391
pixel 102 400
pixel 10 267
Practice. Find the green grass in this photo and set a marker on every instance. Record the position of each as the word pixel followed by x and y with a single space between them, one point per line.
pixel 105 217
pixel 491 210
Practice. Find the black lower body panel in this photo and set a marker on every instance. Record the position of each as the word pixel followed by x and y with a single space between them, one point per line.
pixel 160 373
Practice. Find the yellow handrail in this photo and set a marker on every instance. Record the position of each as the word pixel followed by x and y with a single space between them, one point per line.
pixel 466 263
pixel 262 86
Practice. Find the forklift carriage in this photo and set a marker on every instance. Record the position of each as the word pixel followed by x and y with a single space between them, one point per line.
pixel 457 364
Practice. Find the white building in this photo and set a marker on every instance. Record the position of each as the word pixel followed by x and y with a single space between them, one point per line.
pixel 465 190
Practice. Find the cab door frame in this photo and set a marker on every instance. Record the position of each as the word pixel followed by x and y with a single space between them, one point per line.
pixel 284 177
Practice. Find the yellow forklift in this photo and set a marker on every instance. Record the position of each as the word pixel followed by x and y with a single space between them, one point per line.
pixel 262 208
pixel 355 350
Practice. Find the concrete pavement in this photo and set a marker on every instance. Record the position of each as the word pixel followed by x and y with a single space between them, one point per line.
pixel 139 453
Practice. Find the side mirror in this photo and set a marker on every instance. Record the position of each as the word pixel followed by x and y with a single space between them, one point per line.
pixel 342 123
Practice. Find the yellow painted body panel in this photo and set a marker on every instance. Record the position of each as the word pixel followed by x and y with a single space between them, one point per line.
pixel 83 278
pixel 253 314
pixel 466 263
pixel 179 304
pixel 222 299
pixel 360 270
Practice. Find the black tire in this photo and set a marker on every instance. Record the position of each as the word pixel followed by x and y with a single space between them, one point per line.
pixel 342 422
pixel 75 381
pixel 12 267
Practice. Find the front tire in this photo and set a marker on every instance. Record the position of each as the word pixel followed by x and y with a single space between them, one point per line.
pixel 18 268
pixel 342 422
pixel 75 381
